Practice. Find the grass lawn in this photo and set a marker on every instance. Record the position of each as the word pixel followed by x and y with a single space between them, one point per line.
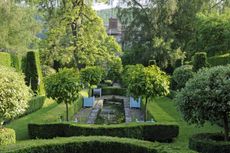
pixel 50 112
pixel 164 110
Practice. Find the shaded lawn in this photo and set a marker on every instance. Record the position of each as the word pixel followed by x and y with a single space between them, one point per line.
pixel 164 110
pixel 50 112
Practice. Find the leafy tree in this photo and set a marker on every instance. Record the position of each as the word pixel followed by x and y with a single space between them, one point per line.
pixel 91 75
pixel 18 27
pixel 64 86
pixel 181 75
pixel 76 36
pixel 129 72
pixel 14 94
pixel 206 97
pixel 148 82
pixel 115 70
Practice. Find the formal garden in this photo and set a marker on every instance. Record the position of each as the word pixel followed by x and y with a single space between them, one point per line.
pixel 70 84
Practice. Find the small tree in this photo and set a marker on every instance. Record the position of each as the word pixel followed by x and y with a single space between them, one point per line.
pixel 129 72
pixel 64 86
pixel 115 70
pixel 181 75
pixel 91 76
pixel 148 82
pixel 14 94
pixel 206 97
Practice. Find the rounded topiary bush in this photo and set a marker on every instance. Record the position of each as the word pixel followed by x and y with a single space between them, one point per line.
pixel 209 143
pixel 14 94
pixel 7 136
pixel 181 75
pixel 206 97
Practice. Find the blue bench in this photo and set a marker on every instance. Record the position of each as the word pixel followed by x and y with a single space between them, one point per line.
pixel 135 103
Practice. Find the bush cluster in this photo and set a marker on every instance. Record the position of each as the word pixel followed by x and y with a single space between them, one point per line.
pixel 35 104
pixel 7 136
pixel 150 132
pixel 114 91
pixel 209 143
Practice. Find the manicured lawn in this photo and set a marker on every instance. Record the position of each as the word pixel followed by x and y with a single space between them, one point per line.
pixel 164 110
pixel 50 112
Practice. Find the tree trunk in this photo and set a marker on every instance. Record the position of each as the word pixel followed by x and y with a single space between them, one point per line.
pixel 67 112
pixel 146 110
pixel 226 128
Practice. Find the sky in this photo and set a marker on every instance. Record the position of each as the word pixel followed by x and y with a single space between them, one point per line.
pixel 102 6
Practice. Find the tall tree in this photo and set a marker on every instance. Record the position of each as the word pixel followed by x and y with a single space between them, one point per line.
pixel 76 35
pixel 18 26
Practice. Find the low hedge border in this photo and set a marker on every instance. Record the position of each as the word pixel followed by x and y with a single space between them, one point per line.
pixel 35 104
pixel 204 143
pixel 93 144
pixel 143 131
pixel 7 136
pixel 114 91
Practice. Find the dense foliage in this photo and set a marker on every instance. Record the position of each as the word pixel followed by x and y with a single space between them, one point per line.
pixel 64 87
pixel 181 75
pixel 150 132
pixel 206 97
pixel 18 27
pixel 14 94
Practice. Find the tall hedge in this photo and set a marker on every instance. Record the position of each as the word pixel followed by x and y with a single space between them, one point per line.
pixel 16 62
pixel 33 73
pixel 5 59
pixel 146 131
pixel 200 60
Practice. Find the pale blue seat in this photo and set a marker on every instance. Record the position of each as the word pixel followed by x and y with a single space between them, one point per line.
pixel 135 103
pixel 88 101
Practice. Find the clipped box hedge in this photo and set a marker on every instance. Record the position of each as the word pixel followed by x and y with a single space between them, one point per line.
pixel 92 144
pixel 144 131
pixel 113 91
pixel 206 143
pixel 35 104
pixel 7 136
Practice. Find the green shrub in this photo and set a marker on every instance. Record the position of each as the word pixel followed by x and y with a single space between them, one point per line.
pixel 209 143
pixel 33 73
pixel 7 136
pixel 113 91
pixel 90 144
pixel 5 59
pixel 181 75
pixel 14 94
pixel 35 104
pixel 151 132
pixel 200 60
